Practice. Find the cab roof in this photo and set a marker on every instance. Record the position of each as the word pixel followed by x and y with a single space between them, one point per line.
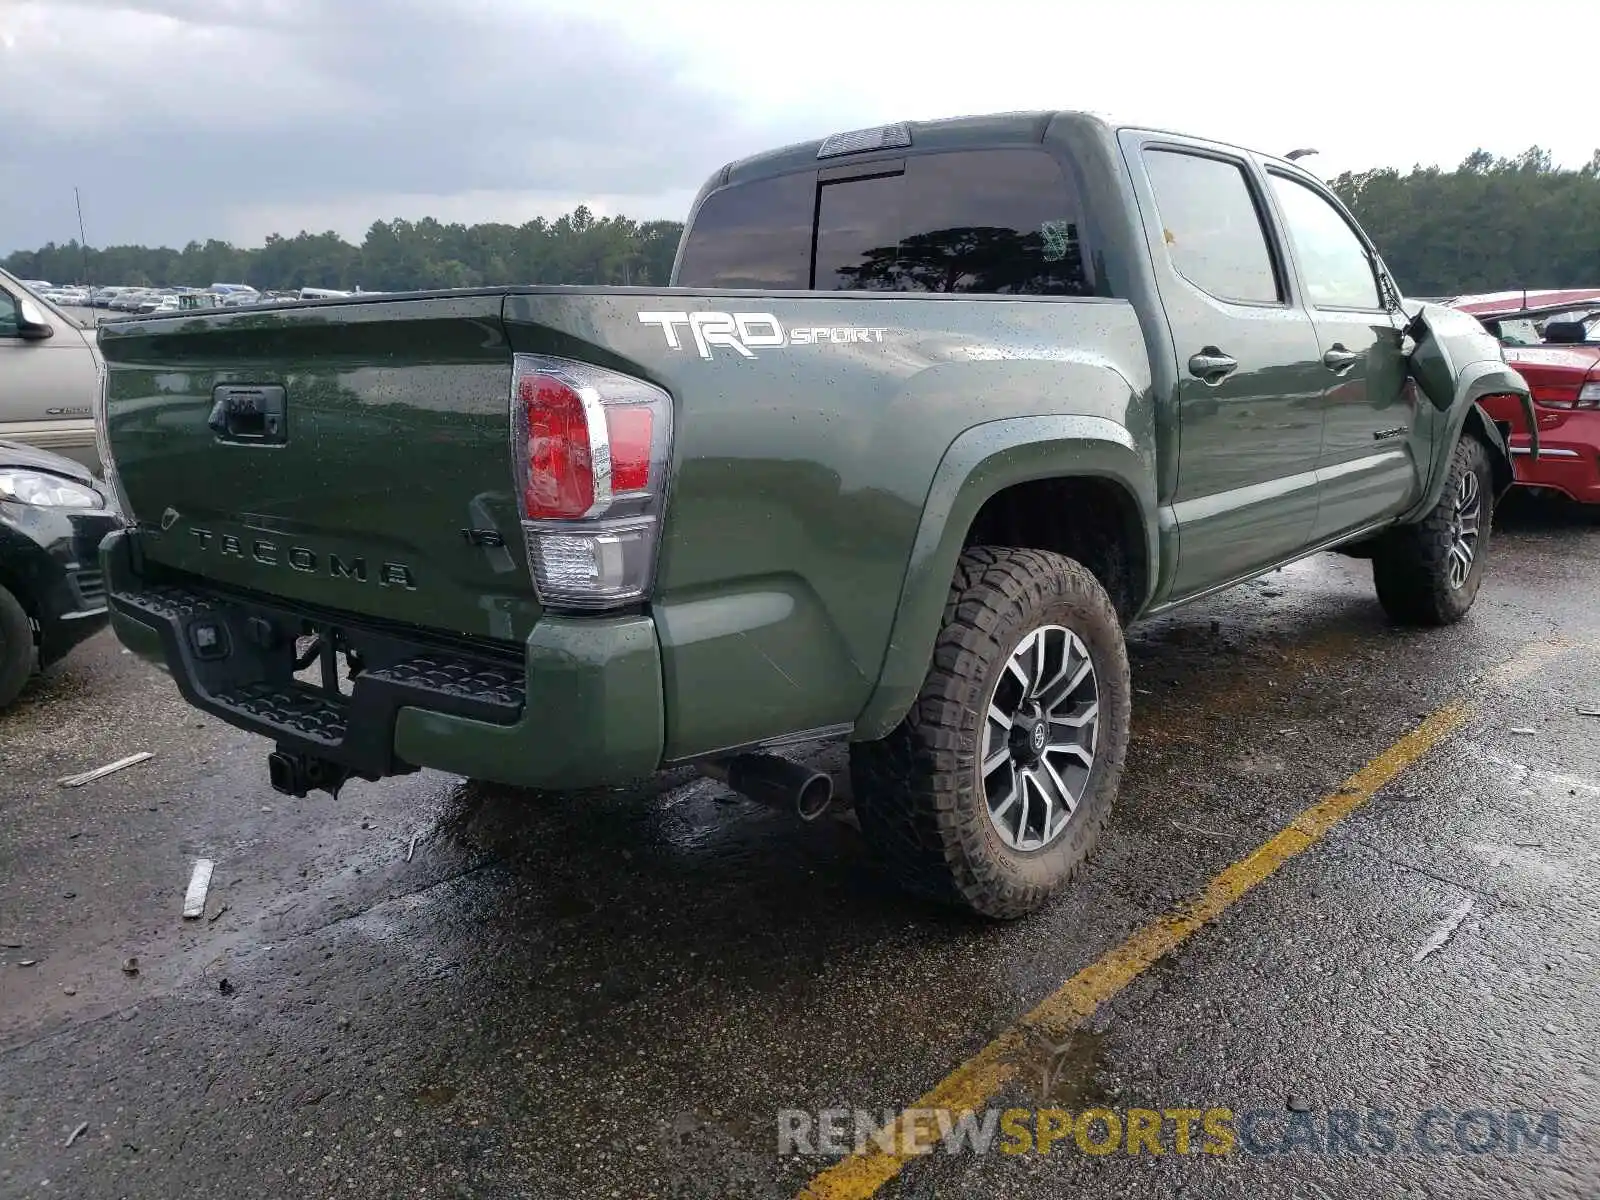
pixel 950 133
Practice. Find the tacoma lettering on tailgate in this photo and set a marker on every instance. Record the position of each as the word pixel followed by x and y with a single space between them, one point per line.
pixel 300 558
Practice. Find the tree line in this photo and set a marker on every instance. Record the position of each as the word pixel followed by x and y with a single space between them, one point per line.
pixel 1488 225
pixel 1492 224
pixel 394 256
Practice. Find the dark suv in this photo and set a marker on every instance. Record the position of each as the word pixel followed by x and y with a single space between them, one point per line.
pixel 53 514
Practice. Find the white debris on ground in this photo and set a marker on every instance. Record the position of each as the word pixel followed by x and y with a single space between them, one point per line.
pixel 194 902
pixel 1441 935
pixel 101 772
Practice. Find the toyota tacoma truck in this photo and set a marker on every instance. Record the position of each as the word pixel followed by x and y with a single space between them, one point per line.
pixel 928 415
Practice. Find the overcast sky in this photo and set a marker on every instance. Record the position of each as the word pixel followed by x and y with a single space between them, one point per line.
pixel 186 119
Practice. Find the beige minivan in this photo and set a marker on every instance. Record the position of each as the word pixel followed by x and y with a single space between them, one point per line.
pixel 49 374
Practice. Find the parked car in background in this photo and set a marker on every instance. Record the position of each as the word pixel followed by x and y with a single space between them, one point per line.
pixel 49 376
pixel 1552 338
pixel 53 515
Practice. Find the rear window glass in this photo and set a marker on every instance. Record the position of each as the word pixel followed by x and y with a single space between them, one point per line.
pixel 752 235
pixel 978 221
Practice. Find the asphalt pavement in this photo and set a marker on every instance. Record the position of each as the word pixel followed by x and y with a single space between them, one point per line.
pixel 435 988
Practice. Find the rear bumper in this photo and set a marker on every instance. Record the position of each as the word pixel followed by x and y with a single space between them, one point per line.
pixel 1566 464
pixel 582 706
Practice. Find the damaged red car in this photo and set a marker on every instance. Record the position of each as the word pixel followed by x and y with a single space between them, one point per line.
pixel 1552 338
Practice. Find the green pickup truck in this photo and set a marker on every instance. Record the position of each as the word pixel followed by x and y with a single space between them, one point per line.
pixel 930 413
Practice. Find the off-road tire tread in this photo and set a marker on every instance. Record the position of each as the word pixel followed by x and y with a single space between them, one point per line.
pixel 16 648
pixel 1410 566
pixel 913 787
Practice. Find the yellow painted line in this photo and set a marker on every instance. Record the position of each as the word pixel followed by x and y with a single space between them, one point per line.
pixel 977 1081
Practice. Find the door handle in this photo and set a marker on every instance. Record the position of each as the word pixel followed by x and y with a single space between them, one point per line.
pixel 1339 360
pixel 1211 366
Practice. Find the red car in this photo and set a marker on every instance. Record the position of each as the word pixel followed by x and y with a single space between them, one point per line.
pixel 1553 339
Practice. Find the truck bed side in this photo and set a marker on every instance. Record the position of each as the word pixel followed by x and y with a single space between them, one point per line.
pixel 800 474
pixel 803 456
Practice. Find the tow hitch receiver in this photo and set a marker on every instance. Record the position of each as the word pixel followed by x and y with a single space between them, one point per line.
pixel 295 774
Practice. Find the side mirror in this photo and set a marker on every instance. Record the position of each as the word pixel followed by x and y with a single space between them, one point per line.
pixel 32 324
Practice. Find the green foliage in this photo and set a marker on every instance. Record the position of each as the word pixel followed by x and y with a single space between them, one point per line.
pixel 1490 225
pixel 394 256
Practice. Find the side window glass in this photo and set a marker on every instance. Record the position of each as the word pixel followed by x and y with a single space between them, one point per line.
pixel 753 235
pixel 1333 260
pixel 1212 227
pixel 8 315
pixel 983 222
pixel 1519 332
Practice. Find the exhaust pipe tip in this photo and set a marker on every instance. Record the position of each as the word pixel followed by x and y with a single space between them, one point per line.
pixel 814 797
pixel 775 782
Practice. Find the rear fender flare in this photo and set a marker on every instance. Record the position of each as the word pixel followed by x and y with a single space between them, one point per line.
pixel 979 464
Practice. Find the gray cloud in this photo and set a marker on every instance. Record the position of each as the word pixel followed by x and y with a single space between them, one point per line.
pixel 176 116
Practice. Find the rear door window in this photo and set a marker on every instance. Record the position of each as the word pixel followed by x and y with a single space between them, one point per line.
pixel 999 222
pixel 753 235
pixel 1212 226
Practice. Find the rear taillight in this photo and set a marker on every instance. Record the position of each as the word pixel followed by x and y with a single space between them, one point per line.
pixel 589 449
pixel 1588 397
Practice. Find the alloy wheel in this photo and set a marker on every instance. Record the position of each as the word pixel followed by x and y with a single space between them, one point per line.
pixel 1039 738
pixel 1464 521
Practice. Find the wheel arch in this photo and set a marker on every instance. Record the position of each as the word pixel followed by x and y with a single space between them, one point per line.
pixel 1481 426
pixel 19 561
pixel 1466 417
pixel 1003 480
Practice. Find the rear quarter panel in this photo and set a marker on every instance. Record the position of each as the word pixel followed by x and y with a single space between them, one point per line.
pixel 1554 373
pixel 801 474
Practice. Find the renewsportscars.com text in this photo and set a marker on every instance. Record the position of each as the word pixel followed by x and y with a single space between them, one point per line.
pixel 1181 1130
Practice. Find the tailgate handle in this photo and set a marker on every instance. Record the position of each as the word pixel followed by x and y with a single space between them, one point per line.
pixel 250 416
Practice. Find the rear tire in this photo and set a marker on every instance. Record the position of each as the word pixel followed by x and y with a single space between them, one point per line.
pixel 1429 573
pixel 16 648
pixel 946 828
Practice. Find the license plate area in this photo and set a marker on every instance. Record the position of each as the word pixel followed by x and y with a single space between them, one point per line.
pixel 315 683
pixel 326 662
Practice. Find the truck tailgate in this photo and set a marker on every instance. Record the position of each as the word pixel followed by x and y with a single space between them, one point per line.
pixel 353 456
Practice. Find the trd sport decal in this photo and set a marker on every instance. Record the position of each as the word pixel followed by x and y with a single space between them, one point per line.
pixel 745 333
